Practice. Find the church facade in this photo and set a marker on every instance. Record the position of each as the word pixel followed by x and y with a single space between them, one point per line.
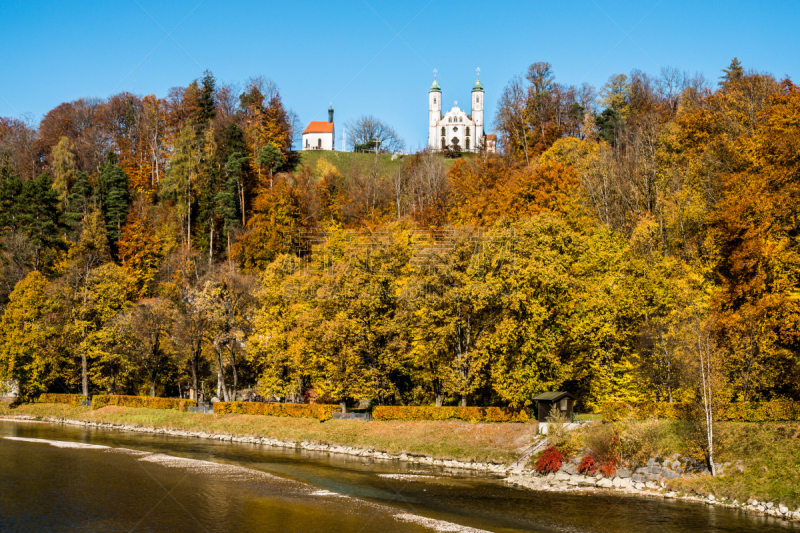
pixel 456 129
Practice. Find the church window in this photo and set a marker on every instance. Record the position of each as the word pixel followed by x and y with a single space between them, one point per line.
pixel 434 99
pixel 455 142
pixel 306 143
pixel 467 130
pixel 455 129
pixel 442 143
pixel 444 131
pixel 319 143
pixel 449 119
pixel 467 143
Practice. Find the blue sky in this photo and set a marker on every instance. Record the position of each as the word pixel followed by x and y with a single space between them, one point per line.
pixel 372 57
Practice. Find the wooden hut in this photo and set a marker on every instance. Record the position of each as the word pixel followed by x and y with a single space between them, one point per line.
pixel 546 401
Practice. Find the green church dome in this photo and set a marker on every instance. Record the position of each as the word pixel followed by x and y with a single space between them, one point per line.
pixel 477 86
pixel 435 86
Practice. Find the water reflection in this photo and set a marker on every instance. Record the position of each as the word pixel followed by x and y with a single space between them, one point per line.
pixel 43 488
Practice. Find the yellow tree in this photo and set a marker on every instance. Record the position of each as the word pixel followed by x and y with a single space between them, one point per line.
pixel 22 335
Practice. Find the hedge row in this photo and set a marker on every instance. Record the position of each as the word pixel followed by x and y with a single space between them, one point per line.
pixel 294 410
pixel 471 414
pixel 72 399
pixel 143 401
pixel 739 411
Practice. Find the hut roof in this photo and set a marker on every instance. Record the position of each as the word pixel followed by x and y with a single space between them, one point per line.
pixel 552 396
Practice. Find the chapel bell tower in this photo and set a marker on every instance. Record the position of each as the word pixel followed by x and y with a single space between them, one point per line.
pixel 477 107
pixel 435 111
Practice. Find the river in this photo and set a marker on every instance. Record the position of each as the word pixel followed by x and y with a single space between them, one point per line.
pixel 59 478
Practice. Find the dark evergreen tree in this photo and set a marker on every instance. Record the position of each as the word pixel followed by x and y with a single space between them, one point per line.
pixel 114 197
pixel 79 200
pixel 206 106
pixel 39 217
pixel 733 72
pixel 10 191
pixel 609 125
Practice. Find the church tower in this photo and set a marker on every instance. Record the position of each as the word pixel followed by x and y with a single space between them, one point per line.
pixel 435 113
pixel 477 110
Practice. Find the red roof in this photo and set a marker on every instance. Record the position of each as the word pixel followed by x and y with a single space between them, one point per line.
pixel 491 137
pixel 319 126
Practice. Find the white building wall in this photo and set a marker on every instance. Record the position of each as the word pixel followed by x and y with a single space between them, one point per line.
pixel 311 140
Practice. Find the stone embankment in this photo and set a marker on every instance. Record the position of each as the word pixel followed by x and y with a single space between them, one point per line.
pixel 649 481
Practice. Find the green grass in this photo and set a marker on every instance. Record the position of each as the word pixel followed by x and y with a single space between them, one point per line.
pixel 768 451
pixel 501 443
pixel 347 162
pixel 770 454
pixel 580 417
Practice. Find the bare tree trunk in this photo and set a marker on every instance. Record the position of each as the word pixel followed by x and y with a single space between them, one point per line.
pixel 84 374
pixel 343 405
pixel 211 247
pixel 221 377
pixel 235 376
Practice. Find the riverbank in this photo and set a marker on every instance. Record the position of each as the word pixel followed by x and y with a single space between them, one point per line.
pixel 759 463
pixel 449 443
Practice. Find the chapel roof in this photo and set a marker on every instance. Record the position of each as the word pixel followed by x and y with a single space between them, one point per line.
pixel 319 126
pixel 478 86
pixel 435 86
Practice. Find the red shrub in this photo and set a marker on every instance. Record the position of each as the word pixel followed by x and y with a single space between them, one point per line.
pixel 608 468
pixel 588 465
pixel 550 460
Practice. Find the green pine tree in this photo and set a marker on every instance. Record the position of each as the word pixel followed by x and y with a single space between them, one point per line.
pixel 733 72
pixel 114 196
pixel 39 216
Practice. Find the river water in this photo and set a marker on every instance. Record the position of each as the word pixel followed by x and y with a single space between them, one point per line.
pixel 58 478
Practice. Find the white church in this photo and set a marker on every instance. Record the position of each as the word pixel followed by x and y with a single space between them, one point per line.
pixel 456 129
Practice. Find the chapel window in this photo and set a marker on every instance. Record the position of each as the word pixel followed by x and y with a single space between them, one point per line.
pixel 467 142
pixel 434 99
pixel 442 143
pixel 444 131
pixel 319 143
pixel 467 130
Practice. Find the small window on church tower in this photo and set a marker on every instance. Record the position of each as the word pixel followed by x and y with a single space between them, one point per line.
pixel 434 99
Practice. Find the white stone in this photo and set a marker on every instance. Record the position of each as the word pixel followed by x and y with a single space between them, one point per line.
pixel 711 497
pixel 605 483
pixel 783 509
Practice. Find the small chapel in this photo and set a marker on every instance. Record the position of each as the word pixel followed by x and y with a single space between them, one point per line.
pixel 456 129
pixel 320 135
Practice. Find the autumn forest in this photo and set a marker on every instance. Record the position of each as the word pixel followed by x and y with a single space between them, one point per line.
pixel 635 241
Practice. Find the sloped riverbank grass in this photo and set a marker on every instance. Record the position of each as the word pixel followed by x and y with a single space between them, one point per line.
pixel 462 441
pixel 755 460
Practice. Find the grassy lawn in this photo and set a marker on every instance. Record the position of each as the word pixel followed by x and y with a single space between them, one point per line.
pixel 770 455
pixel 768 452
pixel 346 162
pixel 502 443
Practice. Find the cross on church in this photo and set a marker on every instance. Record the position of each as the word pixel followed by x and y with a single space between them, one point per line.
pixel 456 102
pixel 478 70
pixel 434 73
